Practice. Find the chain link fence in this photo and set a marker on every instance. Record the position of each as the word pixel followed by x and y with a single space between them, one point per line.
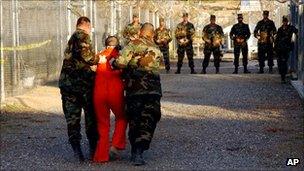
pixel 34 33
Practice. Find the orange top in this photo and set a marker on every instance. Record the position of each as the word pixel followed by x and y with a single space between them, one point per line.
pixel 104 67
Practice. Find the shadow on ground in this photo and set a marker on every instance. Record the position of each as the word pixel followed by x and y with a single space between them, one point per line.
pixel 34 140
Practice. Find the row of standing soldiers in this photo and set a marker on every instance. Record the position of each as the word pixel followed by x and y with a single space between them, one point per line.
pixel 269 40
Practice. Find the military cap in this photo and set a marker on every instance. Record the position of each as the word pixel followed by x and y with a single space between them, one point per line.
pixel 161 19
pixel 240 15
pixel 185 14
pixel 285 18
pixel 212 16
pixel 266 12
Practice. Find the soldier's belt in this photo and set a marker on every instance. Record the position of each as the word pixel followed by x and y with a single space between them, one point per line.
pixel 239 41
pixel 265 38
pixel 216 41
pixel 183 41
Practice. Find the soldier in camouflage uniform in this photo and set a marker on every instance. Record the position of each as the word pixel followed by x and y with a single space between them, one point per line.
pixel 76 86
pixel 264 32
pixel 132 30
pixel 140 60
pixel 162 38
pixel 283 45
pixel 240 33
pixel 183 34
pixel 212 35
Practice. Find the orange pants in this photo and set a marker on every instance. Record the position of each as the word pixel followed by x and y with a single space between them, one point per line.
pixel 108 95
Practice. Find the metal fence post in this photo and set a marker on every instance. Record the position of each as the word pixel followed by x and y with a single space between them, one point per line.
pixel 95 24
pixel 13 59
pixel 2 57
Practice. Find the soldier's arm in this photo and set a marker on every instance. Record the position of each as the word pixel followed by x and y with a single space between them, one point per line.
pixel 248 34
pixel 221 31
pixel 256 30
pixel 294 30
pixel 176 31
pixel 192 30
pixel 274 29
pixel 86 51
pixel 123 60
pixel 231 34
pixel 125 33
pixel 204 33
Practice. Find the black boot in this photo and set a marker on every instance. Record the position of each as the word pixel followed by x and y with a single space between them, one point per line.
pixel 137 158
pixel 283 79
pixel 78 152
pixel 203 71
pixel 261 70
pixel 192 71
pixel 217 70
pixel 235 70
pixel 246 70
pixel 92 149
pixel 178 71
pixel 270 70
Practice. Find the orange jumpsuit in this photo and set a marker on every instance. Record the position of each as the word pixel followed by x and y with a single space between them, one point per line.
pixel 108 95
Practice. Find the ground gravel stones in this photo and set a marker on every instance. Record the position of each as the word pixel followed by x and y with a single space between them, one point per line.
pixel 211 121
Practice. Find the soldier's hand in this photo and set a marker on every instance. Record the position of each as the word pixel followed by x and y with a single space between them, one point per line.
pixel 102 59
pixel 93 68
pixel 208 41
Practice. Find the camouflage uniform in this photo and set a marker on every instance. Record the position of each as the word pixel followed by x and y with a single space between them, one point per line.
pixel 266 29
pixel 240 33
pixel 164 47
pixel 140 61
pixel 131 31
pixel 76 85
pixel 184 31
pixel 214 33
pixel 283 46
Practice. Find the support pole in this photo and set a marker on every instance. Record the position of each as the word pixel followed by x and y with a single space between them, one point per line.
pixel 1 55
pixel 13 59
pixel 69 20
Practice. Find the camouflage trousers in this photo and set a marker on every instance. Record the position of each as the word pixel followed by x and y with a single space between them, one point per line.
pixel 207 54
pixel 237 51
pixel 165 52
pixel 143 113
pixel 265 51
pixel 181 54
pixel 72 104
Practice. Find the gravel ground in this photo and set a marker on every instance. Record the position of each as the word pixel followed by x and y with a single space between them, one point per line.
pixel 209 122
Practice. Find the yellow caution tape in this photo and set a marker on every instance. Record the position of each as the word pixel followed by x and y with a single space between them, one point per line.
pixel 25 47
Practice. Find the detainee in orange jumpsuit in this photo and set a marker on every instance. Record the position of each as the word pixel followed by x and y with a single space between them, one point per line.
pixel 109 95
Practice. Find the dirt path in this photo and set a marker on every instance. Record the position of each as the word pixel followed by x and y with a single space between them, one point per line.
pixel 209 122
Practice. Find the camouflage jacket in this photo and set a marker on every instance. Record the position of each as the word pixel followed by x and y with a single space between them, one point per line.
pixel 140 63
pixel 214 33
pixel 76 73
pixel 131 31
pixel 184 31
pixel 162 34
pixel 240 31
pixel 266 30
pixel 283 39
